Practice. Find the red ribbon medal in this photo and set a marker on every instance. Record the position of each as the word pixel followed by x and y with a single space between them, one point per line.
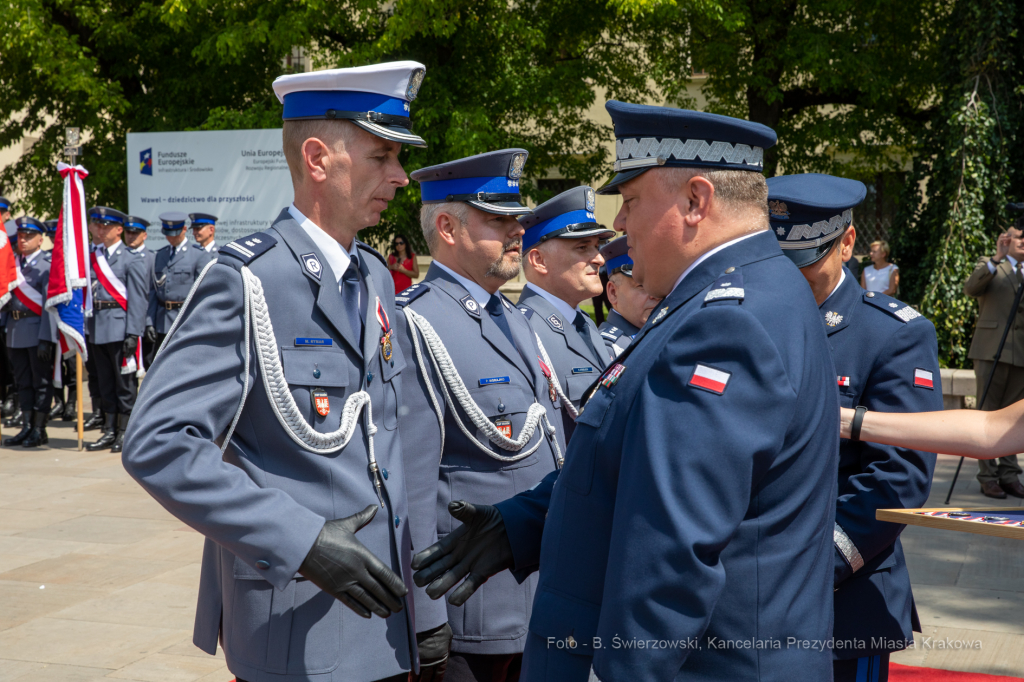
pixel 386 349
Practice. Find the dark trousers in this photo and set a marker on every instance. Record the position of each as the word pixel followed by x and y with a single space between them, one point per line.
pixel 483 667
pixel 92 376
pixel 394 678
pixel 864 669
pixel 33 378
pixel 117 391
pixel 6 375
pixel 1006 389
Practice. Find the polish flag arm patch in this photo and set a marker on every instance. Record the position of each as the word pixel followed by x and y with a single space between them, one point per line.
pixel 710 379
pixel 843 381
pixel 923 379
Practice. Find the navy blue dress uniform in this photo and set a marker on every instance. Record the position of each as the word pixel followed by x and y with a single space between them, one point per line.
pixel 30 342
pixel 495 354
pixel 114 331
pixel 731 373
pixel 198 220
pixel 571 339
pixel 174 271
pixel 262 503
pixel 616 330
pixel 886 358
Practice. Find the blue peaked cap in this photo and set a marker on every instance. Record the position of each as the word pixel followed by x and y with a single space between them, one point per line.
pixel 30 224
pixel 5 204
pixel 104 214
pixel 199 219
pixel 51 226
pixel 616 257
pixel 809 212
pixel 648 136
pixel 376 97
pixel 172 221
pixel 570 215
pixel 488 181
pixel 135 224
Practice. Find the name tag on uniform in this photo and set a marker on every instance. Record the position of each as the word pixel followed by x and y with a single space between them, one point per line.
pixel 582 370
pixel 495 380
pixel 306 341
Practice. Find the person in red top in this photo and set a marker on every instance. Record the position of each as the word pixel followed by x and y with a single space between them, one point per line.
pixel 402 263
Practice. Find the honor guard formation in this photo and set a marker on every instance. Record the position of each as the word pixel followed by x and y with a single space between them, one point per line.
pixel 441 483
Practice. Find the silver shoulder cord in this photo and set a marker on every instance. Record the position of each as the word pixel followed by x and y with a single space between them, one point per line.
pixel 281 400
pixel 554 383
pixel 451 383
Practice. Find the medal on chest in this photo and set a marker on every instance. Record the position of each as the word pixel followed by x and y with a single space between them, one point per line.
pixel 321 403
pixel 551 386
pixel 386 348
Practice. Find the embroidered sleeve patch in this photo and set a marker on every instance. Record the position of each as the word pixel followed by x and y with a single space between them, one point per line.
pixel 923 379
pixel 710 379
pixel 843 381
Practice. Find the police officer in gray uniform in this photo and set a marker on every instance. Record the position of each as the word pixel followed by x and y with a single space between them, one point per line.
pixel 282 445
pixel 118 316
pixel 30 336
pixel 562 262
pixel 204 229
pixel 486 414
pixel 630 302
pixel 135 234
pixel 174 271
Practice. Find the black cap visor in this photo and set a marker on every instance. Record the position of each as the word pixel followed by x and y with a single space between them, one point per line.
pixel 809 255
pixel 620 178
pixel 501 207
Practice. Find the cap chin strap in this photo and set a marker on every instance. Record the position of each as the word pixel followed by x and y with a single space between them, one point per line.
pixel 257 316
pixel 451 383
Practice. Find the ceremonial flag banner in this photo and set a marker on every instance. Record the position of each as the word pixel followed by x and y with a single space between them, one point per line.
pixel 68 297
pixel 8 271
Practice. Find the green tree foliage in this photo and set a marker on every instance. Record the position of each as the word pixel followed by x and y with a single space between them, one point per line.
pixel 966 169
pixel 111 67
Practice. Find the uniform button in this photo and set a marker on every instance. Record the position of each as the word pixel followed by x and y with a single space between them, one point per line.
pixel 501 407
pixel 369 378
pixel 571 641
pixel 398 520
pixel 728 271
pixel 262 565
pixel 316 373
pixel 384 472
pixel 870 294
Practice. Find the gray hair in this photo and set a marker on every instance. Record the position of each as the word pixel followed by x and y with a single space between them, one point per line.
pixel 739 191
pixel 335 134
pixel 428 219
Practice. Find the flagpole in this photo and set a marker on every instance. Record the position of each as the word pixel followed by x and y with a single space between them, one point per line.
pixel 71 137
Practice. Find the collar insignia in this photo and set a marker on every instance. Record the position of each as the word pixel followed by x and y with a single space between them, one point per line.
pixel 832 319
pixel 555 322
pixel 470 304
pixel 312 264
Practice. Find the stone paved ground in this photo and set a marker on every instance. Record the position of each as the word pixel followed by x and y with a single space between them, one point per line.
pixel 99 582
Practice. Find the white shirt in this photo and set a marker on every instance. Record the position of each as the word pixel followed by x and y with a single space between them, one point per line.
pixel 109 251
pixel 181 247
pixel 30 258
pixel 567 311
pixel 337 257
pixel 878 280
pixel 703 257
pixel 842 277
pixel 992 268
pixel 139 249
pixel 209 247
pixel 475 290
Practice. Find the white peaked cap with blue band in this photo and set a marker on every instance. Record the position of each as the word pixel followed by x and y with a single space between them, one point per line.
pixel 376 97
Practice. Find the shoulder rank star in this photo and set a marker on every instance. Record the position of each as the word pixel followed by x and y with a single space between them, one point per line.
pixel 833 318
pixel 386 349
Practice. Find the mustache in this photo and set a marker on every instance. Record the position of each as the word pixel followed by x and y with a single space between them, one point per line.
pixel 512 244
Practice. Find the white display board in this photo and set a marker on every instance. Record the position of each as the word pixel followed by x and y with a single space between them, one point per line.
pixel 240 176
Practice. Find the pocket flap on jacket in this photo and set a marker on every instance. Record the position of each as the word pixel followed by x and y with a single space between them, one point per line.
pixel 498 399
pixel 308 367
pixel 560 616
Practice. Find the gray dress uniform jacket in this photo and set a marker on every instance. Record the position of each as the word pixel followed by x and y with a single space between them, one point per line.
pixel 504 382
pixel 174 272
pixel 575 364
pixel 617 332
pixel 262 505
pixel 29 331
pixel 112 325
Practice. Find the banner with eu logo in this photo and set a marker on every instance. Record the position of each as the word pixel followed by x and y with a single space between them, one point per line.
pixel 146 161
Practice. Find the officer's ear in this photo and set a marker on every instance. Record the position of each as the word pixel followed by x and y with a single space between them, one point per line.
pixel 535 259
pixel 612 290
pixel 445 225
pixel 695 200
pixel 846 246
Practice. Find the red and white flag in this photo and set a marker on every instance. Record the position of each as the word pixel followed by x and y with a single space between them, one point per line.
pixel 710 379
pixel 843 381
pixel 68 295
pixel 923 379
pixel 9 272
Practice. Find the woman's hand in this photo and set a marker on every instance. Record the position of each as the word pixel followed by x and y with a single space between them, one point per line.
pixel 845 421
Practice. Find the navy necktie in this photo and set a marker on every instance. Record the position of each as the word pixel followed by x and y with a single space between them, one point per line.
pixel 497 311
pixel 350 298
pixel 583 329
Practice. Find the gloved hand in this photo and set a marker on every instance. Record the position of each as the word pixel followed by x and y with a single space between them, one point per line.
pixel 44 351
pixel 434 646
pixel 344 568
pixel 479 548
pixel 131 344
pixel 150 334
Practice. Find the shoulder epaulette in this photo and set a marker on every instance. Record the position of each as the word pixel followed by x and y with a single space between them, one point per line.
pixel 728 287
pixel 248 249
pixel 411 294
pixel 898 309
pixel 369 249
pixel 611 333
pixel 527 311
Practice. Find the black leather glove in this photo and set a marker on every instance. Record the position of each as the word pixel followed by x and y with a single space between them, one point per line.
pixel 44 351
pixel 344 568
pixel 434 646
pixel 131 344
pixel 150 334
pixel 476 550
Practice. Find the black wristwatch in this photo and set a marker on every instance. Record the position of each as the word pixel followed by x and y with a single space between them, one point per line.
pixel 858 419
pixel 995 262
